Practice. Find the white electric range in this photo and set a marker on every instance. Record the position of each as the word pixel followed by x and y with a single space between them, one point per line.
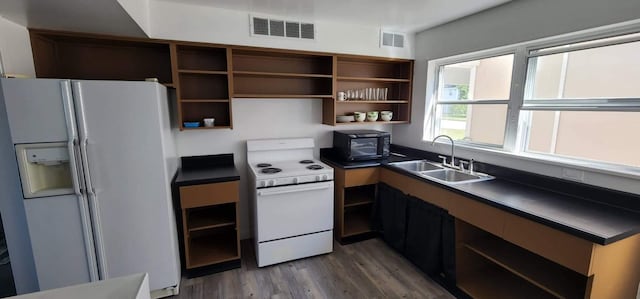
pixel 291 200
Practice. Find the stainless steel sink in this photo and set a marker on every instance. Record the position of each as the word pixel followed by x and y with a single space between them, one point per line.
pixel 433 171
pixel 416 166
pixel 455 176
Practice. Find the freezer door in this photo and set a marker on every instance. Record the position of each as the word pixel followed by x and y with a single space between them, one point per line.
pixel 58 241
pixel 35 110
pixel 129 189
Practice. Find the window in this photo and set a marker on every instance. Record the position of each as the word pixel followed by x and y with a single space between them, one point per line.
pixel 472 99
pixel 552 99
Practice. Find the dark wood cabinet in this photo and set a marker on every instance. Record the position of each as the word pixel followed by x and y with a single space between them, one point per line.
pixel 210 224
pixel 358 73
pixel 71 56
pixel 355 193
pixel 208 76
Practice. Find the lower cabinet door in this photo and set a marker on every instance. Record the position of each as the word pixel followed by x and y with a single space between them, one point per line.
pixel 391 209
pixel 430 240
pixel 424 236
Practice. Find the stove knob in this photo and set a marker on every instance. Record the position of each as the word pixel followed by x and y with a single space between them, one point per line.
pixel 324 177
pixel 263 184
pixel 317 178
pixel 272 182
pixel 295 180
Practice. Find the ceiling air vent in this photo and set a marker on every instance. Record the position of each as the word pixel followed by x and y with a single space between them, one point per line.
pixel 266 26
pixel 391 39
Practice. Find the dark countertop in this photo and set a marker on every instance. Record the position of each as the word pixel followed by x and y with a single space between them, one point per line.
pixel 593 221
pixel 206 169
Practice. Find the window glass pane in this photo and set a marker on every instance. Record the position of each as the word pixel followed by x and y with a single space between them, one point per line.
pixel 603 136
pixel 604 72
pixel 484 79
pixel 481 123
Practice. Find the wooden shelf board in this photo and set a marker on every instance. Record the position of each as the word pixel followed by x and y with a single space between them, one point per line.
pixel 205 128
pixel 365 79
pixel 202 72
pixel 274 74
pixel 357 222
pixel 392 122
pixel 204 100
pixel 354 197
pixel 213 249
pixel 212 217
pixel 302 96
pixel 169 85
pixel 494 282
pixel 374 102
pixel 553 278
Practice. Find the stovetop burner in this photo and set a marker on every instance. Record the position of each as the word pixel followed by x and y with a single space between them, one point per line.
pixel 263 165
pixel 314 167
pixel 270 170
pixel 306 162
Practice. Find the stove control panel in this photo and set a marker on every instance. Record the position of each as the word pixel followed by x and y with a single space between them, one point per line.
pixel 303 179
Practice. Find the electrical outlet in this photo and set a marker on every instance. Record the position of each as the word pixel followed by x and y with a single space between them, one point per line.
pixel 573 174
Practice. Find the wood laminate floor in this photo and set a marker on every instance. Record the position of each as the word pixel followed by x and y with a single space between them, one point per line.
pixel 368 269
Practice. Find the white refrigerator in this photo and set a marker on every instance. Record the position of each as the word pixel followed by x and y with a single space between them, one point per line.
pixel 95 160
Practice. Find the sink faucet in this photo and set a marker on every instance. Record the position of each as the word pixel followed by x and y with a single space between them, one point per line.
pixel 453 148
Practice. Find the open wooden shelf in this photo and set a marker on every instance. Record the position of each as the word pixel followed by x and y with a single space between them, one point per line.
pixel 368 79
pixel 202 72
pixel 297 96
pixel 201 58
pixel 357 220
pixel 271 74
pixel 211 217
pixel 391 122
pixel 494 282
pixel 208 249
pixel 559 281
pixel 206 128
pixel 193 111
pixel 360 195
pixel 206 101
pixel 374 102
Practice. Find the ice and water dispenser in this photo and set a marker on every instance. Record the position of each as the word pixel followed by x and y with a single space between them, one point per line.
pixel 44 169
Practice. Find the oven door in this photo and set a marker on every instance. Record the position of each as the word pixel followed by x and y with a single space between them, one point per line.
pixel 290 211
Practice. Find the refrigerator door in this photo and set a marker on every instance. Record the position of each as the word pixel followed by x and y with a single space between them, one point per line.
pixel 59 226
pixel 125 166
pixel 57 241
pixel 35 110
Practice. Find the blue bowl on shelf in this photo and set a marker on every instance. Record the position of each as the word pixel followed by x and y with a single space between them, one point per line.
pixel 191 124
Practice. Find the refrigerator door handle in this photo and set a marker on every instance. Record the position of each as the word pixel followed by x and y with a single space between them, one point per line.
pixel 72 135
pixel 94 207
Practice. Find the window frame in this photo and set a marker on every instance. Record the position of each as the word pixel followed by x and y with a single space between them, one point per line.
pixel 517 126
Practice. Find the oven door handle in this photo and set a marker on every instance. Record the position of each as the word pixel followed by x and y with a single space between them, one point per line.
pixel 308 188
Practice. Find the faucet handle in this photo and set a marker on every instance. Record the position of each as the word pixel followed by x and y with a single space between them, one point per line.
pixel 462 163
pixel 444 159
pixel 471 170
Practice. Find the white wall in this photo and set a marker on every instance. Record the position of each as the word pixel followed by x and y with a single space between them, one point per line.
pixel 15 48
pixel 139 12
pixel 260 119
pixel 170 20
pixel 511 23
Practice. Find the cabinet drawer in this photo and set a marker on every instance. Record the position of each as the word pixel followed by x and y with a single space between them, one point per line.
pixel 478 214
pixel 362 176
pixel 208 194
pixel 562 248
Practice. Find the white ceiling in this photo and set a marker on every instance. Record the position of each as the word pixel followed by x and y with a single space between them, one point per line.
pixel 109 17
pixel 398 15
pixel 96 16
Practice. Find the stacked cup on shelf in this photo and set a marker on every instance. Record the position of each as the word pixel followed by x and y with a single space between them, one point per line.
pixel 366 94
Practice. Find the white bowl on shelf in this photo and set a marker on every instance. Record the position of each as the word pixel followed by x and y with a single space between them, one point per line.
pixel 345 118
pixel 359 116
pixel 386 115
pixel 372 115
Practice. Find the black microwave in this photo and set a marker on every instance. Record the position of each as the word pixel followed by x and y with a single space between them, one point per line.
pixel 357 145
